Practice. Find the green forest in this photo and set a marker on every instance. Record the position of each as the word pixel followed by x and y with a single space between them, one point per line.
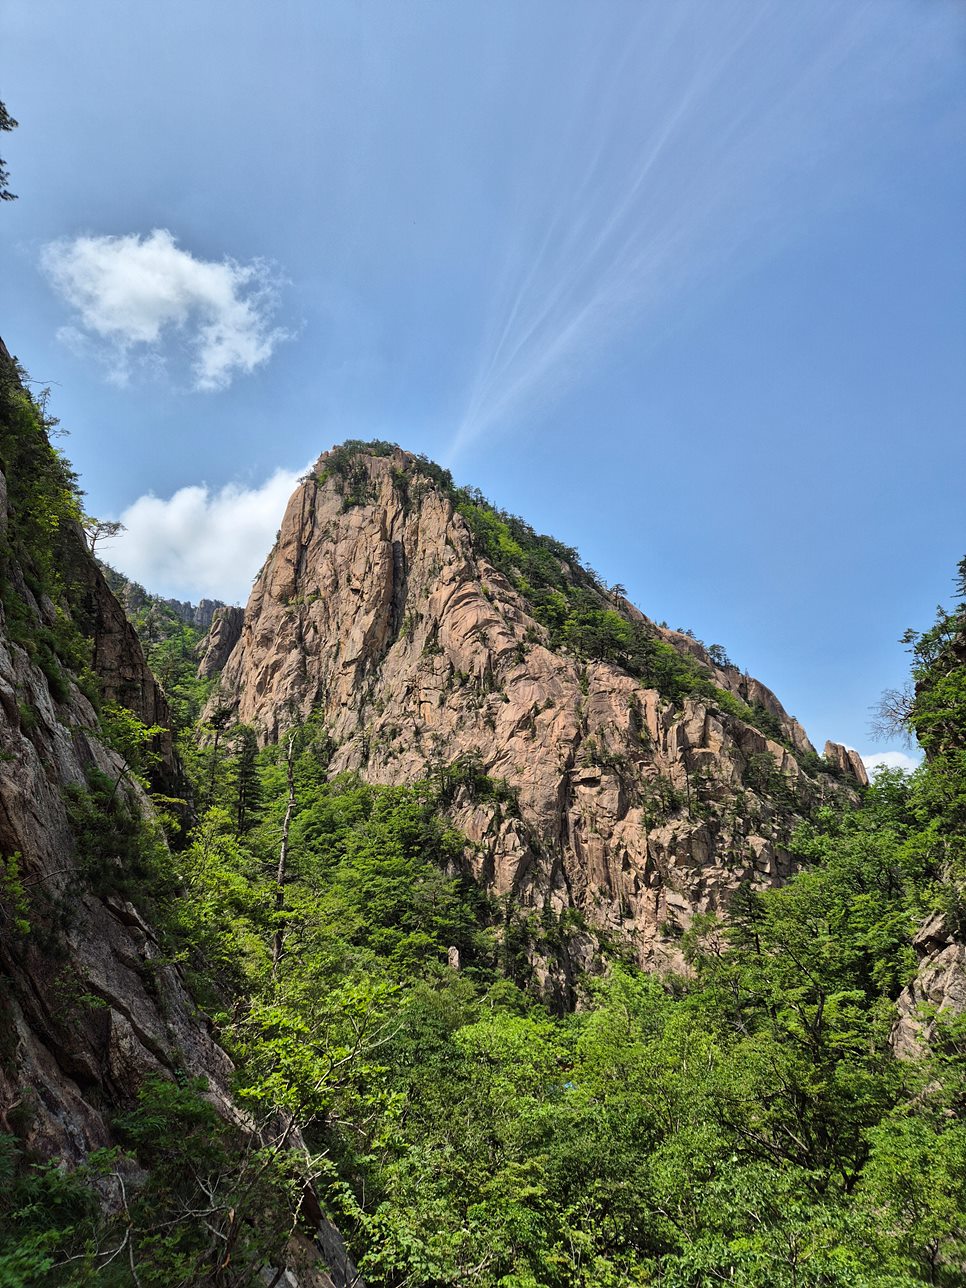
pixel 744 1122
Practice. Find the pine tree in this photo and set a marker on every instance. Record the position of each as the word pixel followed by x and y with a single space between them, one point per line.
pixel 247 785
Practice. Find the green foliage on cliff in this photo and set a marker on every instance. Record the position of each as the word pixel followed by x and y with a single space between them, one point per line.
pixel 38 539
pixel 41 495
pixel 345 464
pixel 582 618
pixel 937 718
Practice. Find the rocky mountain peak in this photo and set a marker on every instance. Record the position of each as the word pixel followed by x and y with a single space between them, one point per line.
pixel 598 762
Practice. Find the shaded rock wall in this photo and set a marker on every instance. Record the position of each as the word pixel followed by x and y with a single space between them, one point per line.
pixel 89 1006
pixel 215 649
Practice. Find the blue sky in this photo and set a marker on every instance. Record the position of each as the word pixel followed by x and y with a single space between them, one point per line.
pixel 682 283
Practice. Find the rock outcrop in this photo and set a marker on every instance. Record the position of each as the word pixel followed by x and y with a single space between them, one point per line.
pixel 846 761
pixel 215 649
pixel 938 987
pixel 201 615
pixel 375 610
pixel 134 599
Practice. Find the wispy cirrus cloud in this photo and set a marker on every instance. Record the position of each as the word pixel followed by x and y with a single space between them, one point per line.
pixel 693 137
pixel 199 541
pixel 138 300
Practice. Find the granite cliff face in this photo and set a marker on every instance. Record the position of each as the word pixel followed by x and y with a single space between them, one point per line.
pixel 377 612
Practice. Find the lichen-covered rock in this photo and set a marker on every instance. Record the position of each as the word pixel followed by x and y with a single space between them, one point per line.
pixel 418 652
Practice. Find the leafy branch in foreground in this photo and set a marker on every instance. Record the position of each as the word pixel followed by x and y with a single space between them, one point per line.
pixel 6 123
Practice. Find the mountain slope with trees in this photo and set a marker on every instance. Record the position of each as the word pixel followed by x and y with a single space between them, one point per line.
pixel 396 1060
pixel 646 777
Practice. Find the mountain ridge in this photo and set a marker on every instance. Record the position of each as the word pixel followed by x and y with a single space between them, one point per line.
pixel 427 630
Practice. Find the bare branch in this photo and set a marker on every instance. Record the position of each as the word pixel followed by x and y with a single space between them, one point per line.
pixel 891 715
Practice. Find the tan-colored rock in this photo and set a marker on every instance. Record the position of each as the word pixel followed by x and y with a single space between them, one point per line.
pixel 847 761
pixel 416 651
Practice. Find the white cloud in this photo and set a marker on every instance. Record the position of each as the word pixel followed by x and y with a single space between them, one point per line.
pixel 200 542
pixel 890 760
pixel 133 295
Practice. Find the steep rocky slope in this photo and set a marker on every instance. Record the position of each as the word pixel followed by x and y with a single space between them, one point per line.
pixel 91 1003
pixel 380 612
pixel 88 1004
